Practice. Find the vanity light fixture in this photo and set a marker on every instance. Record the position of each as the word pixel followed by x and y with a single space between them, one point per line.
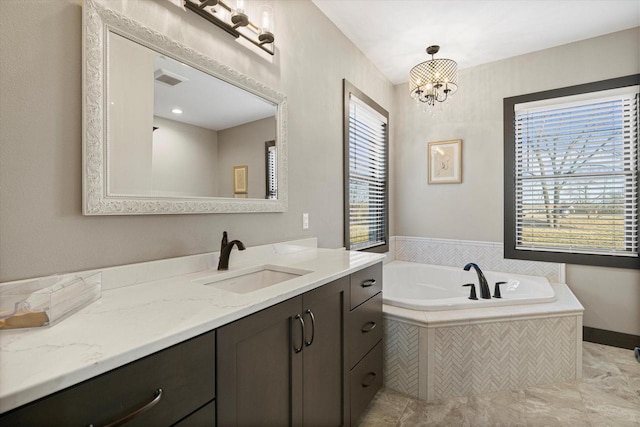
pixel 433 80
pixel 235 21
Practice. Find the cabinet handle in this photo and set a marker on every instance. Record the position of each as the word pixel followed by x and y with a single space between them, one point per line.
pixel 156 398
pixel 368 380
pixel 368 327
pixel 313 327
pixel 301 320
pixel 368 283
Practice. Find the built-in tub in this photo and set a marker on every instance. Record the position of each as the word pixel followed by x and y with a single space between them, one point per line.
pixel 437 344
pixel 435 287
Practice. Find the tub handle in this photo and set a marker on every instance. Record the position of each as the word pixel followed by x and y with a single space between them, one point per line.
pixel 496 290
pixel 368 327
pixel 368 283
pixel 473 295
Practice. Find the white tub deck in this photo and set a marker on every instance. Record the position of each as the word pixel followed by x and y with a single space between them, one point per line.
pixel 435 288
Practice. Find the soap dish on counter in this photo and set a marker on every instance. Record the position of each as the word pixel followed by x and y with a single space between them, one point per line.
pixel 47 300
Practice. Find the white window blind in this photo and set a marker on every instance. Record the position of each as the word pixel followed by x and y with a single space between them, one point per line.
pixel 367 176
pixel 577 175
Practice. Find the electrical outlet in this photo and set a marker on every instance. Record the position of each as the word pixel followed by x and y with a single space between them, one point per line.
pixel 305 221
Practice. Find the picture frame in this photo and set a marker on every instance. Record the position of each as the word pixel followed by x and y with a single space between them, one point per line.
pixel 240 179
pixel 445 162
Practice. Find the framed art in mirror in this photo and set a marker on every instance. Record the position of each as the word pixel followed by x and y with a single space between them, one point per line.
pixel 163 126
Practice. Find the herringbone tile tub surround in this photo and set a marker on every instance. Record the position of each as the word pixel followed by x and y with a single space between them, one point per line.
pixel 498 356
pixel 401 372
pixel 441 354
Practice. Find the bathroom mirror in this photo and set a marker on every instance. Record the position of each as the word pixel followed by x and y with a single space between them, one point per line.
pixel 168 130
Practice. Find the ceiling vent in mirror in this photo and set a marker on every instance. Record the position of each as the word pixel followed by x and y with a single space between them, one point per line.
pixel 167 77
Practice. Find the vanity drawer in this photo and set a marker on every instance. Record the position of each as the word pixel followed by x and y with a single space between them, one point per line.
pixel 366 380
pixel 203 417
pixel 184 372
pixel 365 328
pixel 365 284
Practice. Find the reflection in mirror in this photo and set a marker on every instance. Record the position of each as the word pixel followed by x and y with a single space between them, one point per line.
pixel 141 158
pixel 175 131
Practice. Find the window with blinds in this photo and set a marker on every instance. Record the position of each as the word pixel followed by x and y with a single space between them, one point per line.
pixel 366 173
pixel 575 173
pixel 272 170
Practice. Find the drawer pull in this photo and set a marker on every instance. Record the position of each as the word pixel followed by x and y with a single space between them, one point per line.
pixel 301 320
pixel 368 380
pixel 313 327
pixel 368 283
pixel 156 398
pixel 368 327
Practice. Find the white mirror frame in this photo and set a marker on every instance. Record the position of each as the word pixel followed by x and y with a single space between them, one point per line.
pixel 98 20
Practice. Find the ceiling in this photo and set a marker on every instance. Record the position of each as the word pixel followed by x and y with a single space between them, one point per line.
pixel 393 34
pixel 204 100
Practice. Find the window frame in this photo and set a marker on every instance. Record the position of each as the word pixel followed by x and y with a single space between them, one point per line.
pixel 510 250
pixel 349 89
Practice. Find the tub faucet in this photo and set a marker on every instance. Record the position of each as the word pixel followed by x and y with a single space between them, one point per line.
pixel 484 286
pixel 225 251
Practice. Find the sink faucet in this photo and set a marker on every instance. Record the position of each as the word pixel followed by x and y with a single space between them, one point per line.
pixel 484 286
pixel 225 251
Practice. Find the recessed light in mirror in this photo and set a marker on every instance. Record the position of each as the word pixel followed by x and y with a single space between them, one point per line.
pixel 176 111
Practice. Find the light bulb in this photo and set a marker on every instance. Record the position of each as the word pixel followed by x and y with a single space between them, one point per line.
pixel 266 12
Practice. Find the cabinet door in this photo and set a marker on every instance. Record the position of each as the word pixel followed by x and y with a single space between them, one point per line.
pixel 260 372
pixel 324 311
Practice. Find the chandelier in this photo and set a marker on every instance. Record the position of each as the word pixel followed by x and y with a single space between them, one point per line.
pixel 433 80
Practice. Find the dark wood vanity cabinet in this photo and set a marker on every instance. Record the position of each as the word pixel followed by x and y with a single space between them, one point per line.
pixel 272 370
pixel 185 373
pixel 313 360
pixel 284 365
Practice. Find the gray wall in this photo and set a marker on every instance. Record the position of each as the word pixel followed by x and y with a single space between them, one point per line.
pixel 131 115
pixel 185 159
pixel 42 230
pixel 473 210
pixel 244 145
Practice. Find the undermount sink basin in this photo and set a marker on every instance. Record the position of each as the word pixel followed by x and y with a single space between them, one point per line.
pixel 251 279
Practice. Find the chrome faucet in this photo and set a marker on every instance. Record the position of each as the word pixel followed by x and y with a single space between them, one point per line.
pixel 225 251
pixel 484 286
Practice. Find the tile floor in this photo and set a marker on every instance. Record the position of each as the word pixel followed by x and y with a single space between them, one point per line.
pixel 607 395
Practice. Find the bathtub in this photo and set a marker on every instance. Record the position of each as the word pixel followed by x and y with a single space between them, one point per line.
pixel 434 287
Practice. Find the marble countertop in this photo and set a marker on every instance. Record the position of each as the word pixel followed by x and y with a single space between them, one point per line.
pixel 133 321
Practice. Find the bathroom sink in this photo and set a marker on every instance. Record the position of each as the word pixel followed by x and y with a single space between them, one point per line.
pixel 251 279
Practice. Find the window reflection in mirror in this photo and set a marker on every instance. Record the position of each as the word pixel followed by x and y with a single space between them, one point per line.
pixel 175 131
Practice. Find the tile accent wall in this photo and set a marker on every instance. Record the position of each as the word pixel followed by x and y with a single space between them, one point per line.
pixel 489 357
pixel 401 357
pixel 440 362
pixel 488 255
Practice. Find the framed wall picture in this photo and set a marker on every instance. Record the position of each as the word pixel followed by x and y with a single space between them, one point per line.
pixel 240 179
pixel 445 162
